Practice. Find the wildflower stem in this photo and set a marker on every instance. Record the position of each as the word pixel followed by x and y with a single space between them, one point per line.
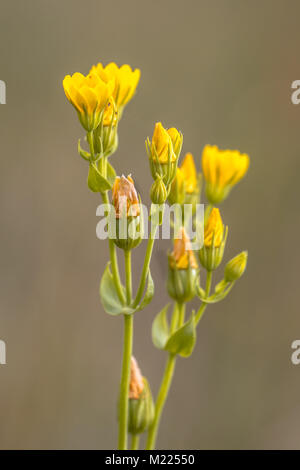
pixel 207 291
pixel 125 377
pixel 145 267
pixel 165 385
pixel 135 440
pixel 161 399
pixel 127 255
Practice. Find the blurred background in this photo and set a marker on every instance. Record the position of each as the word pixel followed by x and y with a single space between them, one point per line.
pixel 221 71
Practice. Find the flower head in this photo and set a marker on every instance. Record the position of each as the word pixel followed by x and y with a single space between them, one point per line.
pixel 189 173
pixel 162 143
pixel 235 268
pixel 89 95
pixel 214 229
pixel 125 198
pixel 222 169
pixel 136 385
pixel 125 81
pixel 183 256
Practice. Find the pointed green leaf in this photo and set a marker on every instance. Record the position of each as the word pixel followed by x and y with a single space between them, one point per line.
pixel 216 297
pixel 149 293
pixel 96 182
pixel 182 342
pixel 160 328
pixel 111 174
pixel 85 155
pixel 109 296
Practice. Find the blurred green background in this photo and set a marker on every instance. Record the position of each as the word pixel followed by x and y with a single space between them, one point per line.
pixel 221 71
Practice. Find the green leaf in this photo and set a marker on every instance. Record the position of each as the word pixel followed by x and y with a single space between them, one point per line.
pixel 216 297
pixel 160 328
pixel 109 296
pixel 96 182
pixel 85 155
pixel 182 342
pixel 149 293
pixel 111 174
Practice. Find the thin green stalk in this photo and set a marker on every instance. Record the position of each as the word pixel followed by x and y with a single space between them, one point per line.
pixel 124 385
pixel 207 291
pixel 135 440
pixel 161 399
pixel 208 210
pixel 145 268
pixel 165 384
pixel 127 255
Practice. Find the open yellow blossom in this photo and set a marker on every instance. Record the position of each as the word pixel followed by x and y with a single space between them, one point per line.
pixel 125 80
pixel 125 198
pixel 89 95
pixel 189 173
pixel 222 169
pixel 110 113
pixel 183 255
pixel 162 143
pixel 214 228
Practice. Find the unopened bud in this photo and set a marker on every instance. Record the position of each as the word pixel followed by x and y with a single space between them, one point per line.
pixel 235 268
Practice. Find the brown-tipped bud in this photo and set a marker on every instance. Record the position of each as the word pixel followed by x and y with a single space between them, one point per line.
pixel 136 385
pixel 125 198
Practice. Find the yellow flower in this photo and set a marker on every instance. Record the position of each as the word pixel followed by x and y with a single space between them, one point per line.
pixel 125 81
pixel 222 169
pixel 89 95
pixel 183 255
pixel 162 143
pixel 177 191
pixel 110 113
pixel 213 228
pixel 189 173
pixel 125 198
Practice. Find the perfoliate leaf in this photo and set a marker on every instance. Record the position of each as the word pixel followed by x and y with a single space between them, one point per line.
pixel 109 296
pixel 216 297
pixel 160 329
pixel 96 182
pixel 149 293
pixel 182 342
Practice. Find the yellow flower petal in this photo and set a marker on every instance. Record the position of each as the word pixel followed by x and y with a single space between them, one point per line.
pixel 214 228
pixel 189 173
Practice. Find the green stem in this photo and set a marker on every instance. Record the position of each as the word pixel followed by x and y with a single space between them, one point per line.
pixel 127 255
pixel 161 399
pixel 208 210
pixel 145 268
pixel 135 440
pixel 179 313
pixel 207 291
pixel 125 377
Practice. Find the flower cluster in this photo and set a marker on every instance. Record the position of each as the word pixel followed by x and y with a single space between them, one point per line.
pixel 99 99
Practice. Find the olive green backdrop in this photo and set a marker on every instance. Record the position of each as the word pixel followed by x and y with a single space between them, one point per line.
pixel 221 71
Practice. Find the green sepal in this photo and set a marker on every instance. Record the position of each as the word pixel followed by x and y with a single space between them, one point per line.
pixel 160 329
pixel 85 155
pixel 109 296
pixel 96 182
pixel 182 342
pixel 148 294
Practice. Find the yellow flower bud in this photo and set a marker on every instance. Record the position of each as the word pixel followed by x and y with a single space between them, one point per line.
pixel 211 254
pixel 222 169
pixel 125 198
pixel 129 224
pixel 125 81
pixel 214 229
pixel 182 256
pixel 235 268
pixel 189 173
pixel 141 407
pixel 89 95
pixel 177 191
pixel 162 144
pixel 183 272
